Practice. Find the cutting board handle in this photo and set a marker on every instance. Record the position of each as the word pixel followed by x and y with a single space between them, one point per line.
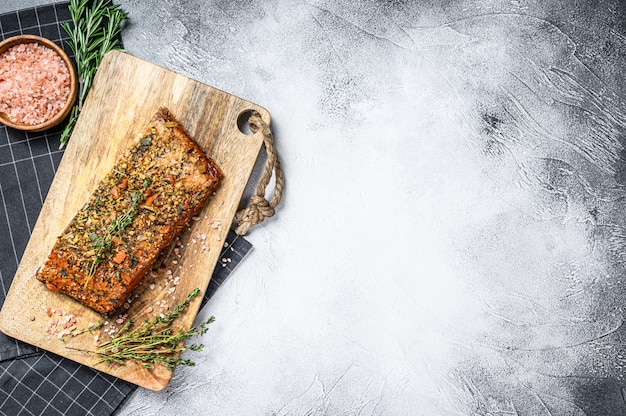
pixel 260 207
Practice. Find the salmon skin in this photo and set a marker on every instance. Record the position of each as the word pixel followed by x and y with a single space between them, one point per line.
pixel 154 189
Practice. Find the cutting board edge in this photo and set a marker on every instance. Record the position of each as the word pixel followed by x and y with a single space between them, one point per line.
pixel 114 54
pixel 156 381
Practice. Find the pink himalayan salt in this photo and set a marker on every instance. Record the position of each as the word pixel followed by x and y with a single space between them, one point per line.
pixel 34 83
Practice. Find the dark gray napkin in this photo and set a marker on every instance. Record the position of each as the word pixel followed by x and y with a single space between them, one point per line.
pixel 32 381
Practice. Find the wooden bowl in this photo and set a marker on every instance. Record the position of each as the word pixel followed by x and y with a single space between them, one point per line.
pixel 62 114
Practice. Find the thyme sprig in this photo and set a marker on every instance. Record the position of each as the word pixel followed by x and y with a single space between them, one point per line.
pixel 153 342
pixel 102 243
pixel 94 32
pixel 119 224
pixel 89 329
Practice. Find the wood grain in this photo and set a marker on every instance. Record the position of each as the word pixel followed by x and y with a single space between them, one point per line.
pixel 125 93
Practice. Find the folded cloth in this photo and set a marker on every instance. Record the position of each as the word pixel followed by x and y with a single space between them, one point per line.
pixel 33 381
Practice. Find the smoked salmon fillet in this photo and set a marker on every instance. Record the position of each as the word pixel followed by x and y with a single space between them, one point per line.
pixel 162 179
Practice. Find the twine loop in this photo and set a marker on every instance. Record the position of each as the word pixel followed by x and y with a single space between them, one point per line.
pixel 261 208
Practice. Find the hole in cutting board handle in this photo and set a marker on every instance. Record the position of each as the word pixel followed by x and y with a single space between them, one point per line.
pixel 242 122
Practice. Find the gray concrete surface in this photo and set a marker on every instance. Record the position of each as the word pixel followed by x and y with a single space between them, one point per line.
pixel 451 241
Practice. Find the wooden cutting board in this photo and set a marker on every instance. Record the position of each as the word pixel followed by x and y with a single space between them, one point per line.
pixel 125 93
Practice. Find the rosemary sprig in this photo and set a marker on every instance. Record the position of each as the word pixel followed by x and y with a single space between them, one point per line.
pixel 93 32
pixel 153 342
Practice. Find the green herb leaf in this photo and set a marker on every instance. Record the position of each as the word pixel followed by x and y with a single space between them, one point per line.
pixel 152 342
pixel 93 32
pixel 103 243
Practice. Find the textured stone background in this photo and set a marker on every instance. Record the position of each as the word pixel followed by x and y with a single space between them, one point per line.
pixel 452 237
